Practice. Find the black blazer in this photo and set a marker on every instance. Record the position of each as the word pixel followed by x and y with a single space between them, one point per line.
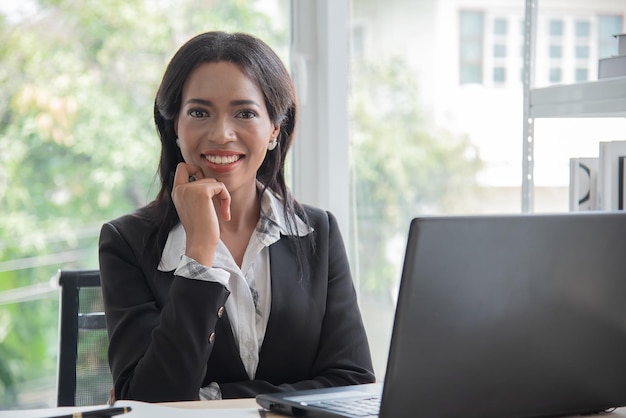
pixel 160 325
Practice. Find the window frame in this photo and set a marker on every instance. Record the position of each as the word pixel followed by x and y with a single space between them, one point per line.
pixel 319 65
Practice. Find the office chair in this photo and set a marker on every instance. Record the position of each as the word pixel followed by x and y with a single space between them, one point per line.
pixel 83 375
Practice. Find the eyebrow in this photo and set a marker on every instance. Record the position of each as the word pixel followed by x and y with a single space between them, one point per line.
pixel 209 103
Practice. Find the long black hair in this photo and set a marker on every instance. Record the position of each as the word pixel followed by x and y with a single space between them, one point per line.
pixel 259 63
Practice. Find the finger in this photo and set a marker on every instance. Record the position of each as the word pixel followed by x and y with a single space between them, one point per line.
pixel 224 201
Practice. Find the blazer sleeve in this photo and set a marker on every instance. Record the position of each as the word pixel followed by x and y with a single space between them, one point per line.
pixel 340 353
pixel 158 348
pixel 343 355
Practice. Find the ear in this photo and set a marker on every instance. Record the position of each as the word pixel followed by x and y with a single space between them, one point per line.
pixel 276 132
pixel 176 126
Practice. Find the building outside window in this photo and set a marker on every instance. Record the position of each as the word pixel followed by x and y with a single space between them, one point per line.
pixel 471 46
pixel 582 55
pixel 608 27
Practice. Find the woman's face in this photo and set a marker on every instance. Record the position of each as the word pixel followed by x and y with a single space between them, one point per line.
pixel 223 125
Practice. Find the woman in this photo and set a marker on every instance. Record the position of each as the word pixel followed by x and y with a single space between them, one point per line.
pixel 224 286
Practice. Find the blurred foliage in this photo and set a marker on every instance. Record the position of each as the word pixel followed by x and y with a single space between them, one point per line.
pixel 403 165
pixel 78 146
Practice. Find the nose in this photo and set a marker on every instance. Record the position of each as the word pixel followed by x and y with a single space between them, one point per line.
pixel 221 131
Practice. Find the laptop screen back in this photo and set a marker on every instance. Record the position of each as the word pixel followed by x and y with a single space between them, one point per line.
pixel 510 316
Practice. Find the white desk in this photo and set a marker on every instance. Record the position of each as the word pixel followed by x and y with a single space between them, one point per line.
pixel 230 408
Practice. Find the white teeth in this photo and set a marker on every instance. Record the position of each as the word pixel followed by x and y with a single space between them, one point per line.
pixel 216 159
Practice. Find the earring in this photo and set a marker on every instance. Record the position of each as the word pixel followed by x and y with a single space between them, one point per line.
pixel 178 142
pixel 272 144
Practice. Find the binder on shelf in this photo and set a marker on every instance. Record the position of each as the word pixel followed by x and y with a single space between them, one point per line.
pixel 609 180
pixel 612 67
pixel 583 184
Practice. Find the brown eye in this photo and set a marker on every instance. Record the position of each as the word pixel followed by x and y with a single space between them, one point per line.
pixel 198 113
pixel 247 114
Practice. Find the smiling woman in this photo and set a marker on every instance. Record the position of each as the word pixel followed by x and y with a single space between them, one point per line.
pixel 226 286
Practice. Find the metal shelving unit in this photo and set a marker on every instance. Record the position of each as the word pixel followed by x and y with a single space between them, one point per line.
pixel 602 98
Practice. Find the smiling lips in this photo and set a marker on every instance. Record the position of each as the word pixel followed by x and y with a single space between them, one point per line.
pixel 222 159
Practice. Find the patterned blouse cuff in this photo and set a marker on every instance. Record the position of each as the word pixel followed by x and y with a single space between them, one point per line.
pixel 211 392
pixel 191 269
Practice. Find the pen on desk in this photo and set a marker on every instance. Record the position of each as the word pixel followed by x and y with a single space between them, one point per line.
pixel 98 413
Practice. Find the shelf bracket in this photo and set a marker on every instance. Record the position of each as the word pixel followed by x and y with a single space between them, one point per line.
pixel 528 140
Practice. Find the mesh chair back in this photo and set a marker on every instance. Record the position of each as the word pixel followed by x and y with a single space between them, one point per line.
pixel 83 370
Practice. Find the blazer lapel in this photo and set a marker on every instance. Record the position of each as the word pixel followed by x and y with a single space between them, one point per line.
pixel 285 281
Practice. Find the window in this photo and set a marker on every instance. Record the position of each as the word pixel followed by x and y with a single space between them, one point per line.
pixel 556 28
pixel 608 27
pixel 499 75
pixel 582 51
pixel 499 51
pixel 471 46
pixel 555 75
pixel 556 51
pixel 583 29
pixel 582 74
pixel 471 74
pixel 500 27
pixel 469 97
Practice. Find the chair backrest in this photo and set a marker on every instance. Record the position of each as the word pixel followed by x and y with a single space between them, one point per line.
pixel 83 375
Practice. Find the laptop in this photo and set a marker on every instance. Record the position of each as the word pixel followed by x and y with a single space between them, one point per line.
pixel 500 316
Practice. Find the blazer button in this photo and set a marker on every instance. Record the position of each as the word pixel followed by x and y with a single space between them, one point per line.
pixel 211 338
pixel 220 312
